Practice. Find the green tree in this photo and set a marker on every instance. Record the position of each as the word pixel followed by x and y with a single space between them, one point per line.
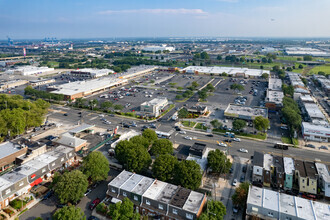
pixel 261 123
pixel 300 66
pixel 205 56
pixel 187 174
pixel 218 162
pixel 308 58
pixel 194 84
pixel 178 97
pixel 215 123
pixel 150 135
pixel 240 196
pixel 264 60
pixel 106 105
pixel 161 146
pixel 215 210
pixel 96 166
pixel 210 87
pixel 163 167
pixel 93 103
pixel 140 140
pixel 219 57
pixel 80 102
pixel 183 113
pixel 288 90
pixel 236 86
pixel 239 124
pixel 134 157
pixel 202 94
pixel 69 213
pixel 71 186
pixel 118 107
pixel 123 210
pixel 265 75
pixel 197 56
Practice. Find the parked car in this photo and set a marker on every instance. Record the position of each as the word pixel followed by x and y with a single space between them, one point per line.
pixel 188 138
pixel 65 114
pixel 310 145
pixel 242 179
pixel 237 139
pixel 209 135
pixel 94 203
pixel 87 192
pixel 48 195
pixel 243 150
pixel 324 147
pixel 235 182
pixel 235 209
pixel 182 132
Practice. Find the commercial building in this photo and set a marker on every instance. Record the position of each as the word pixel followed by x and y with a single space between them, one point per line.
pixel 267 204
pixel 8 153
pixel 289 172
pixel 33 172
pixel 314 132
pixel 154 107
pixel 12 84
pixel 90 73
pixel 158 48
pixel 313 112
pixel 71 141
pixel 156 198
pixel 296 51
pixel 41 82
pixel 244 112
pixel 274 96
pixel 32 70
pixel 233 71
pixel 324 178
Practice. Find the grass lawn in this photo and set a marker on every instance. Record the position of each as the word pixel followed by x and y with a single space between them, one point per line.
pixel 188 123
pixel 289 58
pixel 200 126
pixel 286 140
pixel 323 68
pixel 261 136
pixel 53 64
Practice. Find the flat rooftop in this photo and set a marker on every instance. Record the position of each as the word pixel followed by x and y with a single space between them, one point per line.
pixel 13 176
pixel 313 110
pixel 121 179
pixel 167 193
pixel 288 165
pixel 131 182
pixel 193 203
pixel 156 101
pixel 228 70
pixel 246 111
pixel 142 186
pixel 310 169
pixel 154 190
pixel 268 161
pixel 8 148
pixel 45 158
pixel 304 208
pixel 258 159
pixel 25 170
pixel 64 149
pixel 274 84
pixel 299 165
pixel 180 197
pixel 270 200
pixel 81 128
pixel 4 184
pixel 286 204
pixel 274 96
pixel 323 171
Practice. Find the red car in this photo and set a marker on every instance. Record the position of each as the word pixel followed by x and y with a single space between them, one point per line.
pixel 94 203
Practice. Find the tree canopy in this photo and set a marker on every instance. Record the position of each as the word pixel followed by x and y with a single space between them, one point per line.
pixel 150 135
pixel 69 213
pixel 188 174
pixel 123 210
pixel 236 86
pixel 215 210
pixel 218 162
pixel 241 193
pixel 71 186
pixel 261 123
pixel 18 115
pixel 216 123
pixel 239 124
pixel 163 167
pixel 133 156
pixel 96 166
pixel 183 113
pixel 140 140
pixel 161 146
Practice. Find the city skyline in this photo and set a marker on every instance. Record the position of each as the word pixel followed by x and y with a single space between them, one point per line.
pixel 197 18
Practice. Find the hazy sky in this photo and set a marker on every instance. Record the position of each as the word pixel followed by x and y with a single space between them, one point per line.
pixel 164 18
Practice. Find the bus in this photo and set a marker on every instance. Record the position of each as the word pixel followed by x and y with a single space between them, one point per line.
pixel 283 146
pixel 161 134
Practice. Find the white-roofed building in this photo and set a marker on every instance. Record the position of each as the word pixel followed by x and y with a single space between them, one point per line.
pixel 324 178
pixel 316 132
pixel 154 106
pixel 32 70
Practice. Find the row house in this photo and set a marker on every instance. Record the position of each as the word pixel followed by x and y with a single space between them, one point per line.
pixel 306 177
pixel 156 198
pixel 33 172
pixel 324 178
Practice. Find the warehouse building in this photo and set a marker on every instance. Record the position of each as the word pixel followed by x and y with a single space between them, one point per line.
pixel 41 82
pixel 12 84
pixel 156 198
pixel 233 71
pixel 154 107
pixel 31 70
pixel 90 73
pixel 158 48
pixel 244 112
pixel 314 132
pixel 267 204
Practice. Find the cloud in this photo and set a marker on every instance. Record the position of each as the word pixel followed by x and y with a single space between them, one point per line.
pixel 157 11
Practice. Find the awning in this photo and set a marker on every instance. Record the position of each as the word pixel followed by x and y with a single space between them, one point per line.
pixel 36 182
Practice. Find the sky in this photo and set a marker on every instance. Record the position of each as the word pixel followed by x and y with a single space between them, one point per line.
pixel 35 19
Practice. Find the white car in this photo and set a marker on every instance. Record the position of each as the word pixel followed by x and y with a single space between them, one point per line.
pixel 243 150
pixel 235 182
pixel 237 139
pixel 188 138
pixel 182 132
pixel 222 144
pixel 102 116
